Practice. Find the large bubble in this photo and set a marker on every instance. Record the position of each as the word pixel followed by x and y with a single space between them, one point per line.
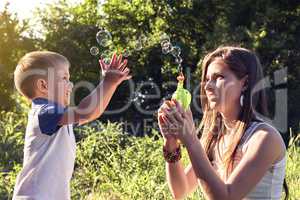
pixel 94 51
pixel 104 38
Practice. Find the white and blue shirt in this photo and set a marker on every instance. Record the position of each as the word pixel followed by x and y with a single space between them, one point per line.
pixel 49 155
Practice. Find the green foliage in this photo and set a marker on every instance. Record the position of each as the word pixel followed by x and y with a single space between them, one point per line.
pixel 111 164
pixel 270 28
pixel 13 45
pixel 12 127
pixel 293 166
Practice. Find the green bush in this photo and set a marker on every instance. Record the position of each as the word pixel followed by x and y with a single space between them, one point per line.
pixel 110 164
pixel 12 128
pixel 113 165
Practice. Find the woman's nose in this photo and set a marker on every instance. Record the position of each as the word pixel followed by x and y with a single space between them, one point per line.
pixel 208 85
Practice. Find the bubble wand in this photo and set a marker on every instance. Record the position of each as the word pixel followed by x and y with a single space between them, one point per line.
pixel 182 95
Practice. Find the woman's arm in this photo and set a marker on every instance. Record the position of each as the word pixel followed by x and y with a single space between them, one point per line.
pixel 252 167
pixel 181 181
pixel 254 164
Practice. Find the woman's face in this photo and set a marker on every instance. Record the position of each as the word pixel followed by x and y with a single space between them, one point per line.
pixel 222 87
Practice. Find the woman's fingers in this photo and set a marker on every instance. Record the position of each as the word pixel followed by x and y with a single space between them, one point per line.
pixel 178 106
pixel 169 115
pixel 189 114
pixel 169 109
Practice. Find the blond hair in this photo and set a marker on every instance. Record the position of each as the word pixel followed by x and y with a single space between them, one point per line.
pixel 33 66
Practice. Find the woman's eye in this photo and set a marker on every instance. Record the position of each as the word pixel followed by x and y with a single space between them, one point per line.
pixel 220 77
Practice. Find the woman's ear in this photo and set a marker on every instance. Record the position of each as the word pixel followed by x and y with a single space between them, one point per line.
pixel 42 85
pixel 245 83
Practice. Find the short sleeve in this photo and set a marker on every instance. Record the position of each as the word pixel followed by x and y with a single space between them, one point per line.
pixel 49 117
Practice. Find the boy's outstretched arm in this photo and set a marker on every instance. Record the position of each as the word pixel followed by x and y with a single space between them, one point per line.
pixel 93 105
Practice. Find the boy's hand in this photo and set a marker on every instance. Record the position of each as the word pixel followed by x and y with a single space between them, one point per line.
pixel 116 71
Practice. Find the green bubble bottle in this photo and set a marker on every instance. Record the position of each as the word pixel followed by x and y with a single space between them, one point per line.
pixel 183 96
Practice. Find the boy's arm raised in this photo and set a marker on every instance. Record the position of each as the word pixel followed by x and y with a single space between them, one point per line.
pixel 93 105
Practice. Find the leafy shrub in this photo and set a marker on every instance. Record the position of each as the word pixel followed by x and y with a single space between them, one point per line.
pixel 112 165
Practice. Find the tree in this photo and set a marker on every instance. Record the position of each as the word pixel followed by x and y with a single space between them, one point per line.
pixel 270 28
pixel 13 45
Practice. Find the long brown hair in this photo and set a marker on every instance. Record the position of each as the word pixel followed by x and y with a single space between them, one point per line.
pixel 241 62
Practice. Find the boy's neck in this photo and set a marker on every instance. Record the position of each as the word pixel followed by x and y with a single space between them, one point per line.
pixel 46 98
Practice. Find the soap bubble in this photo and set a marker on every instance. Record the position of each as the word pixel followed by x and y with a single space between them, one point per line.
pixel 94 51
pixel 170 10
pixel 126 53
pixel 178 60
pixel 144 40
pixel 176 51
pixel 166 47
pixel 106 61
pixel 164 37
pixel 106 56
pixel 104 38
pixel 138 45
pixel 141 42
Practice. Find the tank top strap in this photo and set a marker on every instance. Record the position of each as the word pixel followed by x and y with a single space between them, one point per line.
pixel 249 132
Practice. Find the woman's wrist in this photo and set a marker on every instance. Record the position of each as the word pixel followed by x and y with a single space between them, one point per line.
pixel 191 140
pixel 171 144
pixel 172 156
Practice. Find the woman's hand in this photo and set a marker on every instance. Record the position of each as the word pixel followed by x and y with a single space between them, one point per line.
pixel 179 123
pixel 170 139
pixel 116 71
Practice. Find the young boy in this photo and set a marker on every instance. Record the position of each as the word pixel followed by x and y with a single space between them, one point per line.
pixel 49 151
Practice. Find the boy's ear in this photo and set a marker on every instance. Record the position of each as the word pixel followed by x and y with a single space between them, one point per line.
pixel 42 85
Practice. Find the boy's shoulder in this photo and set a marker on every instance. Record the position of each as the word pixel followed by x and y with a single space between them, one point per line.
pixel 48 115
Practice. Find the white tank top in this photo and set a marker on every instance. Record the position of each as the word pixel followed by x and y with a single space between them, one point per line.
pixel 270 186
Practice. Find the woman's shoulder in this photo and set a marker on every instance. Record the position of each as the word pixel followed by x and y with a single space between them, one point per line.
pixel 267 136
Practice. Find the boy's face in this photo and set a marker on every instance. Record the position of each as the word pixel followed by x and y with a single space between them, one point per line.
pixel 61 85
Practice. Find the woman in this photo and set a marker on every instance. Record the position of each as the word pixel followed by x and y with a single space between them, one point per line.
pixel 239 156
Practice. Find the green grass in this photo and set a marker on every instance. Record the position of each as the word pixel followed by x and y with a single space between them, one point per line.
pixel 112 165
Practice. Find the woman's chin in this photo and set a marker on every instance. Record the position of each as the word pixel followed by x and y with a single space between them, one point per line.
pixel 213 105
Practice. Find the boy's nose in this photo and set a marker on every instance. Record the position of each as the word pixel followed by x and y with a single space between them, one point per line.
pixel 70 85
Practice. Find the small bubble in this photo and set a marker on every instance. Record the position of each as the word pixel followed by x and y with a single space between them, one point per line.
pixel 105 56
pixel 170 10
pixel 104 38
pixel 166 47
pixel 126 53
pixel 106 61
pixel 94 51
pixel 176 51
pixel 138 45
pixel 178 60
pixel 164 37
